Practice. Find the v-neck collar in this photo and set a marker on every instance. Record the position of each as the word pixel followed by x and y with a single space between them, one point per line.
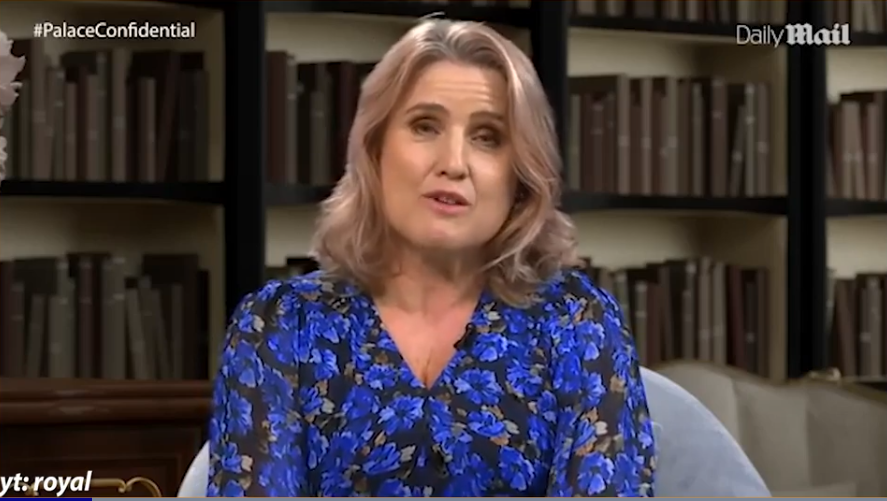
pixel 485 304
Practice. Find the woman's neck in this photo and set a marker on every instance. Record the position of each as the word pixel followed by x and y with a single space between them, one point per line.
pixel 428 284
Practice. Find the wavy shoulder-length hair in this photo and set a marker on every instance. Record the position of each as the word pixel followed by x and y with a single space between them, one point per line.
pixel 536 240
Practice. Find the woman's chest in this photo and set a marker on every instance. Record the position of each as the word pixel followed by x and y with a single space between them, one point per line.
pixel 485 426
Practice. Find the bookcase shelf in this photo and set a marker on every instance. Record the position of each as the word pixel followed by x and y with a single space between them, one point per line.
pixel 700 31
pixel 519 18
pixel 581 202
pixel 294 196
pixel 868 40
pixel 850 208
pixel 202 193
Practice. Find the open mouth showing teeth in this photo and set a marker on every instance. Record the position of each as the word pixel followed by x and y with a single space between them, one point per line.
pixel 447 201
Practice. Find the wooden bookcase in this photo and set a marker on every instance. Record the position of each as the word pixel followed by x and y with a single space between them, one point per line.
pixel 238 224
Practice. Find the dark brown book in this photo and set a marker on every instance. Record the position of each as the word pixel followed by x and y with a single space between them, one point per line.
pixel 112 345
pixel 55 121
pixel 871 123
pixel 71 126
pixel 118 115
pixel 667 313
pixel 749 101
pixel 37 164
pixel 140 363
pixel 12 322
pixel 764 175
pixel 762 294
pixel 86 127
pixel 186 163
pixel 277 135
pixel 573 160
pixel 145 105
pixel 313 125
pixel 184 147
pixel 82 65
pixel 292 121
pixel 654 323
pixel 704 334
pixel 345 93
pixel 684 283
pixel 667 88
pixel 699 162
pixel 86 269
pixel 642 154
pixel 845 327
pixel 163 66
pixel 35 358
pixel 684 136
pixel 61 342
pixel 750 321
pixel 736 318
pixel 193 160
pixel 716 138
pixel 167 271
pixel 720 343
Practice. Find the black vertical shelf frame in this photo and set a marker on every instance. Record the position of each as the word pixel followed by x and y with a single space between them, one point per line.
pixel 549 32
pixel 244 149
pixel 549 24
pixel 807 343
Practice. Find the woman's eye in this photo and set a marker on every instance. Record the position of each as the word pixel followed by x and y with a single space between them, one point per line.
pixel 488 138
pixel 424 128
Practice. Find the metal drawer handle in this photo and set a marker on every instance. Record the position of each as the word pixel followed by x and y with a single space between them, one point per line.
pixel 122 486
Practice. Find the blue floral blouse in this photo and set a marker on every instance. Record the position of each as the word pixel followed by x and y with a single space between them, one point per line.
pixel 313 399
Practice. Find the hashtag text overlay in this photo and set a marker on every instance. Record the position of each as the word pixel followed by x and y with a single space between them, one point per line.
pixel 133 29
pixel 43 485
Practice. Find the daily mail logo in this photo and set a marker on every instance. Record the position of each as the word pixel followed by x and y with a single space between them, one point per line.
pixel 793 34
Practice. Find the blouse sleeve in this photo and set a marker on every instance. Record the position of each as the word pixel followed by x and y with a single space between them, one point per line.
pixel 604 443
pixel 255 434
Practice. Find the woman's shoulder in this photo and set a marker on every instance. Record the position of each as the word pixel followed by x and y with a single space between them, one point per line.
pixel 573 287
pixel 579 315
pixel 292 298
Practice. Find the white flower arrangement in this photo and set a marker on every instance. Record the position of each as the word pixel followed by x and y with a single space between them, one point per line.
pixel 10 66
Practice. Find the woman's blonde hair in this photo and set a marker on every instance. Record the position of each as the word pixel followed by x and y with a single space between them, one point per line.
pixel 535 241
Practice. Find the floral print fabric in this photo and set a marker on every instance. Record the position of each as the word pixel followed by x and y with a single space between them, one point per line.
pixel 314 399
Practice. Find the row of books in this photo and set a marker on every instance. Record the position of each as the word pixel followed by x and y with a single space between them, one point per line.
pixel 856 318
pixel 865 16
pixel 109 116
pixel 857 165
pixel 96 315
pixel 310 108
pixel 669 136
pixel 697 309
pixel 704 11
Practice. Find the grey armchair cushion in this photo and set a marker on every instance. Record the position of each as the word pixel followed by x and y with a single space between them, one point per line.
pixel 697 455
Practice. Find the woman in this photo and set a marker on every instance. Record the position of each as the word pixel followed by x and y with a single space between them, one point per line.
pixel 447 347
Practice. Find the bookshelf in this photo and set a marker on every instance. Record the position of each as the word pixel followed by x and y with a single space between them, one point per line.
pixel 238 221
pixel 856 193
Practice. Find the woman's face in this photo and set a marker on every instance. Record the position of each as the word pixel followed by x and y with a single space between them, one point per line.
pixel 447 174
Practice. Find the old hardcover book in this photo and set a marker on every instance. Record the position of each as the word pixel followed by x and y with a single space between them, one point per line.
pixel 164 67
pixel 81 65
pixel 12 322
